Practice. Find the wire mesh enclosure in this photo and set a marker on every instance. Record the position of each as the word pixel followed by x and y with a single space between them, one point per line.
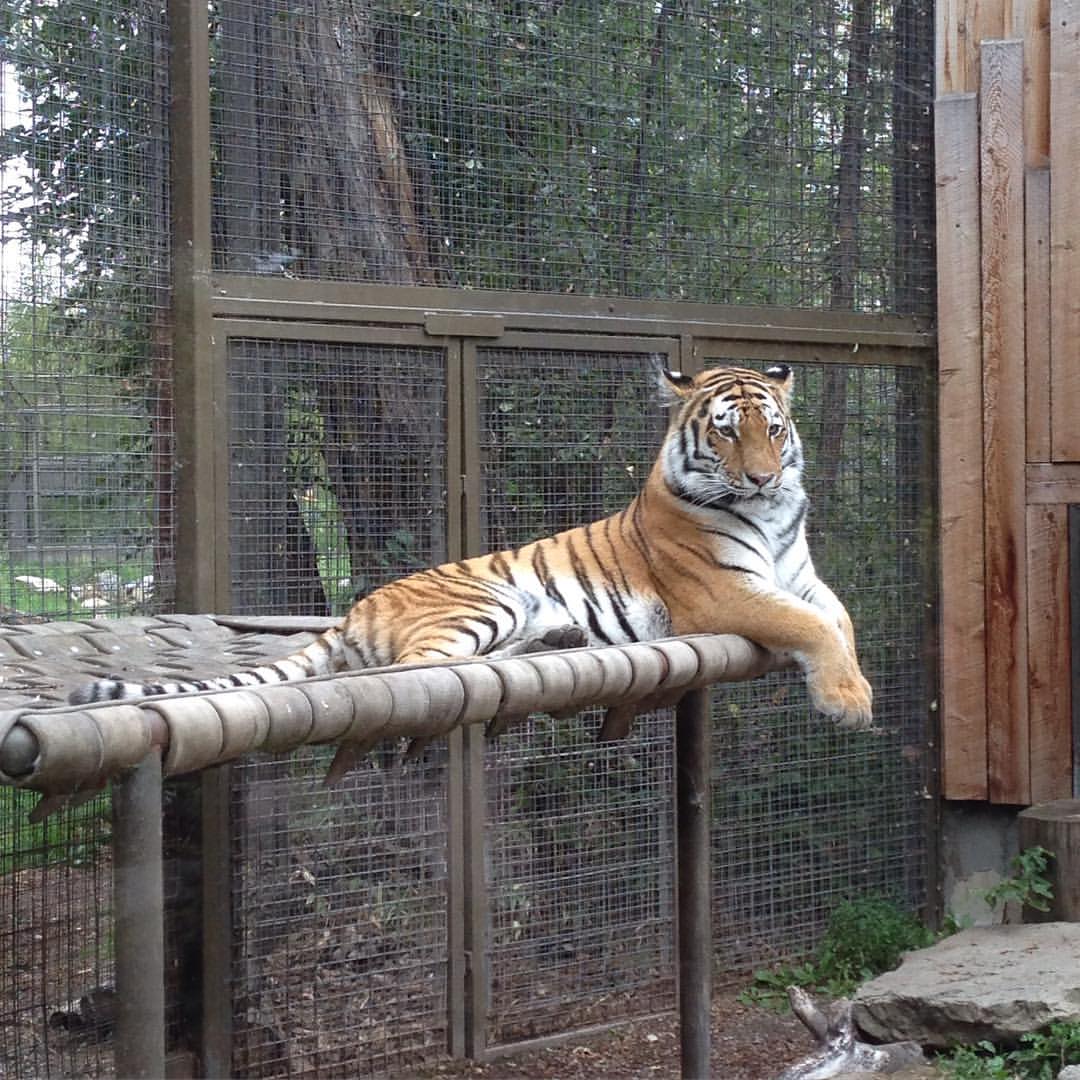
pixel 86 405
pixel 756 152
pixel 807 816
pixel 57 1002
pixel 340 901
pixel 579 835
pixel 338 464
pixel 765 151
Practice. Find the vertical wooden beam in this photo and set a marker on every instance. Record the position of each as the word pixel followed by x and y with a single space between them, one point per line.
pixel 1037 312
pixel 1002 162
pixel 961 27
pixel 202 582
pixel 693 761
pixel 1031 25
pixel 963 642
pixel 138 913
pixel 1049 660
pixel 1065 228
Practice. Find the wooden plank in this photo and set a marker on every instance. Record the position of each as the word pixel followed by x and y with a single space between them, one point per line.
pixel 1065 229
pixel 1049 661
pixel 963 643
pixel 1031 24
pixel 961 25
pixel 1002 160
pixel 1053 484
pixel 1037 312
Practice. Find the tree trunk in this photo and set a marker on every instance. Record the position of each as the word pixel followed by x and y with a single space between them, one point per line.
pixel 845 247
pixel 1056 827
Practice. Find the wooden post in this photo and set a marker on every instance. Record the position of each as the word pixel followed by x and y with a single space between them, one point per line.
pixel 1065 227
pixel 1049 660
pixel 1002 174
pixel 1037 373
pixel 1056 827
pixel 138 913
pixel 692 763
pixel 963 641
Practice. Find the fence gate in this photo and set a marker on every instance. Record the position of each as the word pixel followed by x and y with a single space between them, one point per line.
pixel 496 893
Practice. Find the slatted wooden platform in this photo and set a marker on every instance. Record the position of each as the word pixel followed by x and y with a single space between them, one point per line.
pixel 67 751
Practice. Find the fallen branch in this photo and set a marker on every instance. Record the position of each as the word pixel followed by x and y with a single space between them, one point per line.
pixel 841 1050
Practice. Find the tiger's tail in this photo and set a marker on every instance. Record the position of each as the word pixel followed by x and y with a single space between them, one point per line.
pixel 326 655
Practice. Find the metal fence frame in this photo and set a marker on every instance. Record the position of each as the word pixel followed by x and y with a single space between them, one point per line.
pixel 294 311
pixel 209 308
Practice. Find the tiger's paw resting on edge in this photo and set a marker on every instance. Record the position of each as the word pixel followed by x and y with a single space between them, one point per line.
pixel 845 698
pixel 715 543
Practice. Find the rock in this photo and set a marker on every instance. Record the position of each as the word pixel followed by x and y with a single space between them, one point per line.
pixel 992 982
pixel 1070 1072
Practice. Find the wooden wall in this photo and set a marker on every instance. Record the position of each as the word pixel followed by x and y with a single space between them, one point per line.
pixel 1007 122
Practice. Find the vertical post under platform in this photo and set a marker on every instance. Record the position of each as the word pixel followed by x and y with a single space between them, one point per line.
pixel 692 763
pixel 138 912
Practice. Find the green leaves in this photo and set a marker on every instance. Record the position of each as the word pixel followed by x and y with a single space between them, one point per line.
pixel 1028 886
pixel 1041 1056
pixel 865 937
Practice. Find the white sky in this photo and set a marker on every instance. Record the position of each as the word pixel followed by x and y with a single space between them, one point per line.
pixel 12 109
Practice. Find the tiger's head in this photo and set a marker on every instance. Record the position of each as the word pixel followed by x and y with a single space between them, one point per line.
pixel 732 437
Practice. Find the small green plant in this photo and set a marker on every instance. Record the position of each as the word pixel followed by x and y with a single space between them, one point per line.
pixel 1028 886
pixel 1045 1053
pixel 980 1062
pixel 1040 1056
pixel 864 938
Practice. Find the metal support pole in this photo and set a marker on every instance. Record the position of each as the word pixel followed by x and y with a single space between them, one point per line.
pixel 139 921
pixel 692 762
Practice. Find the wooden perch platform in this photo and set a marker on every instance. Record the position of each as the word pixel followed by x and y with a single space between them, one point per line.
pixel 67 751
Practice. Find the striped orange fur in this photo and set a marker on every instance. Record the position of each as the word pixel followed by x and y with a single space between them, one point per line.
pixel 714 543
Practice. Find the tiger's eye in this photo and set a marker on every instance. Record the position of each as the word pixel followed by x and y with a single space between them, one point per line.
pixel 726 430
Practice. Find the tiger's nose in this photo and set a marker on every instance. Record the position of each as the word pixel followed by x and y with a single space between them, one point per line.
pixel 760 479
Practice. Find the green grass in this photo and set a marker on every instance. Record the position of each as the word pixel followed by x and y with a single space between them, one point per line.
pixel 864 938
pixel 71 838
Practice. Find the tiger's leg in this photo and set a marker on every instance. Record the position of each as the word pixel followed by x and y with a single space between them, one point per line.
pixel 440 647
pixel 783 623
pixel 570 636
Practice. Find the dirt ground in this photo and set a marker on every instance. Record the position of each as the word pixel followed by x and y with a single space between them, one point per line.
pixel 749 1043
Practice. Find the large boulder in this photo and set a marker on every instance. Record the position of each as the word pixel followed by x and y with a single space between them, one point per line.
pixel 992 982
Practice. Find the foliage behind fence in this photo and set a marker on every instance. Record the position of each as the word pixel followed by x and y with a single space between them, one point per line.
pixel 755 152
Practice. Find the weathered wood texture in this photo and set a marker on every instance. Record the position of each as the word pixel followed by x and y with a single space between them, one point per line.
pixel 1065 228
pixel 961 26
pixel 1056 827
pixel 1008 153
pixel 963 641
pixel 1037 312
pixel 1049 659
pixel 1051 484
pixel 1031 24
pixel 1002 201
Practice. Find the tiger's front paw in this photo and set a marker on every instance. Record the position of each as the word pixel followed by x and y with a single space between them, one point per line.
pixel 845 697
pixel 570 636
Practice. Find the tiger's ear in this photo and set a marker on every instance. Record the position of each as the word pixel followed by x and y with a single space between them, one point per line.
pixel 783 375
pixel 675 382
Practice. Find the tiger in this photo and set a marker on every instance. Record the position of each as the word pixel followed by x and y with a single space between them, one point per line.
pixel 714 542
